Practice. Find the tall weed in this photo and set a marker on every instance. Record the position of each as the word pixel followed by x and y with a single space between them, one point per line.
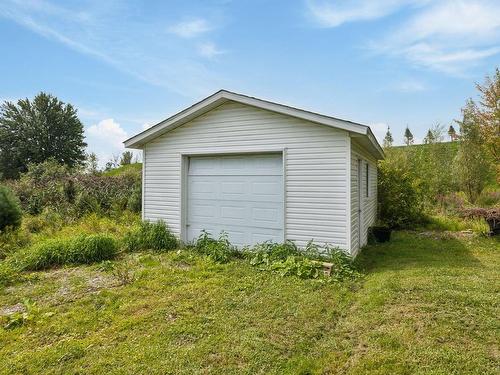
pixel 219 250
pixel 150 236
pixel 56 252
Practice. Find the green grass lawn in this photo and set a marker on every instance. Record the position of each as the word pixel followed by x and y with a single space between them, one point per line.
pixel 424 306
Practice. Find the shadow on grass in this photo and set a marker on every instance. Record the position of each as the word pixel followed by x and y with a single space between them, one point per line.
pixel 409 250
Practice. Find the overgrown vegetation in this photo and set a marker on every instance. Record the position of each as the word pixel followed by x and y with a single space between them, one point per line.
pixel 219 250
pixel 284 258
pixel 51 242
pixel 288 260
pixel 10 211
pixel 50 185
pixel 83 249
pixel 150 236
pixel 418 182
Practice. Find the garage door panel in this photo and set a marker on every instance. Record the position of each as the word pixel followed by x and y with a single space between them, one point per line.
pixel 255 214
pixel 267 190
pixel 240 195
pixel 270 215
pixel 203 211
pixel 229 188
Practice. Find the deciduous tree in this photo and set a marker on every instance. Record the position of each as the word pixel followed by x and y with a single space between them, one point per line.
pixel 32 131
pixel 472 165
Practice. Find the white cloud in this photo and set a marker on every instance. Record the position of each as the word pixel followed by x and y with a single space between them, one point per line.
pixel 444 35
pixel 409 85
pixel 105 139
pixel 336 13
pixel 97 30
pixel 447 36
pixel 209 50
pixel 469 20
pixel 190 28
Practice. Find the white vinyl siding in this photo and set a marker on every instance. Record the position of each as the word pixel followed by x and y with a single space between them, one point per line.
pixel 368 203
pixel 315 167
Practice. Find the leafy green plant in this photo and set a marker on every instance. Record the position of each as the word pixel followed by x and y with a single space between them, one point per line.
pixel 287 259
pixel 219 250
pixel 10 211
pixel 301 267
pixel 150 236
pixel 20 318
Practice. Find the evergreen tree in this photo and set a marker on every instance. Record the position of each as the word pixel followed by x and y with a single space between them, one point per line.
pixel 452 133
pixel 408 136
pixel 388 140
pixel 429 138
pixel 38 130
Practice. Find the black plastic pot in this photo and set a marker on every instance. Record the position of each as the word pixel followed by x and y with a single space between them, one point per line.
pixel 381 234
pixel 494 226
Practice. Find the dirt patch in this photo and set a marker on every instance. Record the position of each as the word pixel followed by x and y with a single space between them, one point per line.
pixel 9 310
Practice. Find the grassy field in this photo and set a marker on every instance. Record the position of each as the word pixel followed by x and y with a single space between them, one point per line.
pixel 424 305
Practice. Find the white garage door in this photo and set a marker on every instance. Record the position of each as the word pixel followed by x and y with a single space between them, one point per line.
pixel 241 195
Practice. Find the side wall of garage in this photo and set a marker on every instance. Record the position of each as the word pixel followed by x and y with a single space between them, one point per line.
pixel 366 197
pixel 316 160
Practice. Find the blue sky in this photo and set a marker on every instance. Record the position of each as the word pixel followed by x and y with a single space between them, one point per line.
pixel 128 64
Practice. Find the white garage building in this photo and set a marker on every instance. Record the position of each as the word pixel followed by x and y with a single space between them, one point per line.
pixel 260 171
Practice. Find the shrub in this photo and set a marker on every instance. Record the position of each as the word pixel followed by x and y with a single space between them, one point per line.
pixel 13 240
pixel 134 203
pixel 73 193
pixel 56 252
pixel 219 250
pixel 86 203
pixel 34 224
pixel 489 198
pixel 401 204
pixel 10 211
pixel 151 236
pixel 451 203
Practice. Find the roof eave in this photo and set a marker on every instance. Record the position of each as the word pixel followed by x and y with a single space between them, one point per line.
pixel 138 141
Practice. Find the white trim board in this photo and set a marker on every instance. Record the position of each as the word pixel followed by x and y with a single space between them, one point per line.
pixel 220 97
